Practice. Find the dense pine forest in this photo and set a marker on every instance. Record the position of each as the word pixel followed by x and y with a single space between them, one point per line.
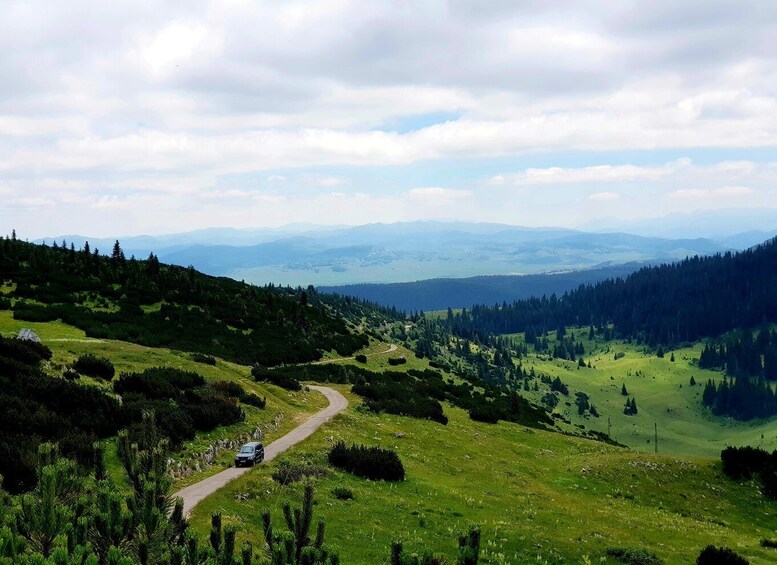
pixel 145 302
pixel 697 298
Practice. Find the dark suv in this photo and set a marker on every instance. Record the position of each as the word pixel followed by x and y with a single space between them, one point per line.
pixel 250 454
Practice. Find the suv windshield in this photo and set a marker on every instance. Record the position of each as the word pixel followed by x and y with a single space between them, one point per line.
pixel 246 449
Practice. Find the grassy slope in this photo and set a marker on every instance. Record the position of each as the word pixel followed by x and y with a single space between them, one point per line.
pixel 663 394
pixel 67 343
pixel 526 488
pixel 531 496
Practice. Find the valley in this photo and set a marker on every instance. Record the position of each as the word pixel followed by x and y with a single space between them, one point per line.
pixel 582 487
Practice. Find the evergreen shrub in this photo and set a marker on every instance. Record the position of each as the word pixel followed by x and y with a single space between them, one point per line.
pixel 373 463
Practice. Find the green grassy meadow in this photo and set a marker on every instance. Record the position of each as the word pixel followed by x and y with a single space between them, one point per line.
pixel 663 394
pixel 540 497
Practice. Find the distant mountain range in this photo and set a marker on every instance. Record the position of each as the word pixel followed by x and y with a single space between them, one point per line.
pixel 402 252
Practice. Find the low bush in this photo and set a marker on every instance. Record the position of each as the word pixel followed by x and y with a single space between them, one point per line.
pixel 203 358
pixel 95 366
pixel 279 378
pixel 342 493
pixel 633 556
pixel 400 394
pixel 372 463
pixel 361 358
pixel 229 388
pixel 741 463
pixel 770 543
pixel 235 390
pixel 439 365
pixel 28 352
pixel 183 402
pixel 484 414
pixel 254 400
pixel 394 361
pixel 712 555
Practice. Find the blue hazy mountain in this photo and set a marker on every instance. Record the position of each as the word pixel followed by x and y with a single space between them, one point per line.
pixel 401 252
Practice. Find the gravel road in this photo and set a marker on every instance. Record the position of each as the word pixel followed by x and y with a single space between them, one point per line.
pixel 193 494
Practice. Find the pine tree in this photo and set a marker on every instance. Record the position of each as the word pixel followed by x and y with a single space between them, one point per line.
pixel 624 392
pixel 296 547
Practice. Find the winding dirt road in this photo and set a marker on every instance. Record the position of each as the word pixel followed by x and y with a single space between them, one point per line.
pixel 193 494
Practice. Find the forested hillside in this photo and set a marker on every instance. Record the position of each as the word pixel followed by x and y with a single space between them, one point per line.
pixel 439 294
pixel 145 302
pixel 670 304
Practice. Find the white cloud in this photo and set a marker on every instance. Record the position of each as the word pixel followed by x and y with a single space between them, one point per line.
pixel 434 193
pixel 604 196
pixel 729 192
pixel 594 174
pixel 174 44
pixel 123 103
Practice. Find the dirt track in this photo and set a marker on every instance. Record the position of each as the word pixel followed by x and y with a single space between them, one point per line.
pixel 193 494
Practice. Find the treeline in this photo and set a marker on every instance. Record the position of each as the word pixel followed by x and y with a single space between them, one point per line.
pixel 441 293
pixel 742 354
pixel 146 302
pixel 743 398
pixel 695 298
pixel 751 363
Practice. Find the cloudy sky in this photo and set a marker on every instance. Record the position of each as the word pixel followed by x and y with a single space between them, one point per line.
pixel 129 117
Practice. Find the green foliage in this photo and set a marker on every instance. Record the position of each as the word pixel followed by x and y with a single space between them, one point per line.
pixel 278 377
pixel 46 511
pixel 372 463
pixel 393 361
pixel 296 547
pixel 771 543
pixel 634 556
pixel 198 314
pixel 196 405
pixel 712 555
pixel 342 493
pixel 36 407
pixel 398 394
pixel 469 547
pixel 742 398
pixel 418 394
pixel 95 366
pixel 468 553
pixel 663 305
pixel 288 472
pixel 233 389
pixel 743 462
pixel 361 358
pixel 204 359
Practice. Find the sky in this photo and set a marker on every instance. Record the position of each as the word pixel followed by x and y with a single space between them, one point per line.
pixel 137 117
